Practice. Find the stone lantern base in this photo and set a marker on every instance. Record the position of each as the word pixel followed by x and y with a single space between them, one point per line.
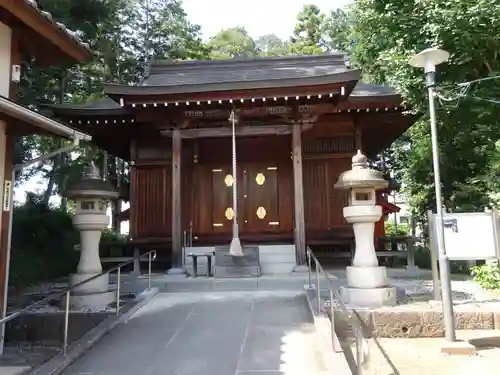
pixel 368 287
pixel 94 295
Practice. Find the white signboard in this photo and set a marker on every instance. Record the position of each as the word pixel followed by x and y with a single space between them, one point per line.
pixel 468 236
pixel 7 195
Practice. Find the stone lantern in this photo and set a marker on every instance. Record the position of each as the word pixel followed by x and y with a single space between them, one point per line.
pixel 91 195
pixel 367 284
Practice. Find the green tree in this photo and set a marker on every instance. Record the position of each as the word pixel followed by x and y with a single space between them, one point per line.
pixel 271 45
pixel 126 35
pixel 307 36
pixel 337 31
pixel 387 34
pixel 233 42
pixel 160 29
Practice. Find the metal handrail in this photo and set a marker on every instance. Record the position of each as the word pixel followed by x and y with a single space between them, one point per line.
pixel 362 349
pixel 187 240
pixel 151 256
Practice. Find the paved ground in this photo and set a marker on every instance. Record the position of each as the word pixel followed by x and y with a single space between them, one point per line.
pixel 210 333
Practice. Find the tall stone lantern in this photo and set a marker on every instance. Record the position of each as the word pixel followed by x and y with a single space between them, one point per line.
pixel 367 284
pixel 91 195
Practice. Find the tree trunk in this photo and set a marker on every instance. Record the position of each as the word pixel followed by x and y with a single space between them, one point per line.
pixel 48 192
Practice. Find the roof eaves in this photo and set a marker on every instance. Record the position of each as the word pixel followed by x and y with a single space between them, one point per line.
pixel 346 76
pixel 61 27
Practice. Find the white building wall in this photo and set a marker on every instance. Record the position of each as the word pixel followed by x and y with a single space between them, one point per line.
pixel 5 70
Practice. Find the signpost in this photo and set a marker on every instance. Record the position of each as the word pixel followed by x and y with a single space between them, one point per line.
pixel 468 236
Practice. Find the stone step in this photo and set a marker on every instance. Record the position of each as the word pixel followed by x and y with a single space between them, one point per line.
pixel 227 265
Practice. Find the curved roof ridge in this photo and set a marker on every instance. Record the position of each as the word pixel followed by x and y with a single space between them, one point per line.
pixel 166 66
pixel 72 34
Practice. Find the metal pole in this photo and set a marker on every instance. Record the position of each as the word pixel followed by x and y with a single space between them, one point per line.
pixel 149 271
pixel 444 264
pixel 436 287
pixel 66 323
pixel 359 354
pixel 309 266
pixel 118 281
pixel 332 322
pixel 395 216
pixel 318 296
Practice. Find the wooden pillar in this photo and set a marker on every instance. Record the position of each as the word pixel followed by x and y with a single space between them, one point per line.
pixel 176 201
pixel 7 88
pixel 300 230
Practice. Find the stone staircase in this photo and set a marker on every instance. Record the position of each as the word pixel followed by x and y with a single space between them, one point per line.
pixel 228 266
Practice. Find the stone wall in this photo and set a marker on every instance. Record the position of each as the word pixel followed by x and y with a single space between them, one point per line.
pixel 412 323
pixel 49 327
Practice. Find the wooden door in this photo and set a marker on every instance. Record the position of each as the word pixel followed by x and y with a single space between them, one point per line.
pixel 260 206
pixel 222 212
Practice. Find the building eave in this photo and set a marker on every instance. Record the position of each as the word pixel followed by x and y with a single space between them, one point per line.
pixel 35 119
pixel 124 90
pixel 41 22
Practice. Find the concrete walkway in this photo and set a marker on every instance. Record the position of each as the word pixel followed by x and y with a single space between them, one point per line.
pixel 211 333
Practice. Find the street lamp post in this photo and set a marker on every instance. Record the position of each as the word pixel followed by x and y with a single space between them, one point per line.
pixel 428 59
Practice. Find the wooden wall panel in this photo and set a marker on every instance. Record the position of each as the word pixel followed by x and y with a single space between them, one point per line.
pixel 323 203
pixel 338 199
pixel 285 191
pixel 248 149
pixel 316 194
pixel 331 127
pixel 201 191
pixel 150 208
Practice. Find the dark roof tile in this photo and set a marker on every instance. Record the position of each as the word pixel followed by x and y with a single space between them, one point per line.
pixel 72 34
pixel 244 70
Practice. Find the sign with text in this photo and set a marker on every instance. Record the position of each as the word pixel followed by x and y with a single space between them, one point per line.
pixel 467 236
pixel 257 111
pixel 7 195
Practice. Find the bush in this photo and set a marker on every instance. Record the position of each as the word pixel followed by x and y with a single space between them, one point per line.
pixel 403 229
pixel 43 243
pixel 422 257
pixel 423 261
pixel 487 275
pixel 112 243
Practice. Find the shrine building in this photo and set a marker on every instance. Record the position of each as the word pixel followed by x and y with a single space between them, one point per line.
pixel 299 121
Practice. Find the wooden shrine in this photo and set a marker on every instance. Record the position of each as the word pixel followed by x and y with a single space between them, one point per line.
pixel 300 119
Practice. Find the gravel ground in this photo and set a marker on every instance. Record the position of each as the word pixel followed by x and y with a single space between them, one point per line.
pixel 423 356
pixel 31 355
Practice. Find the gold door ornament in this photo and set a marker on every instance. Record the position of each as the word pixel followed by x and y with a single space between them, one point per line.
pixel 261 212
pixel 229 213
pixel 260 179
pixel 229 180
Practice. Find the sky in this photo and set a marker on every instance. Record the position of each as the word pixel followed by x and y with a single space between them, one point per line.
pixel 259 17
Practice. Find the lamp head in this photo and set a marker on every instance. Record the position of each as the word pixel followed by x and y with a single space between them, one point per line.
pixel 429 58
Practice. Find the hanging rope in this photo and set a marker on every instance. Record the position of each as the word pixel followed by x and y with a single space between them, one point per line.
pixel 235 248
pixel 235 187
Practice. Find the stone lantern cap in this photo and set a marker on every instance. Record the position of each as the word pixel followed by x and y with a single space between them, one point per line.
pixel 361 176
pixel 91 186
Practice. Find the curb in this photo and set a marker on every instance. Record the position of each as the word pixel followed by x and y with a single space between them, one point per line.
pixel 59 363
pixel 335 362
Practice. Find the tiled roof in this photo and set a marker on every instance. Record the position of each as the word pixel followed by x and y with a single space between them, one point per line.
pixel 244 70
pixel 73 35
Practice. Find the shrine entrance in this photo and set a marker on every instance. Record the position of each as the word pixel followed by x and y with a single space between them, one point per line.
pixel 258 198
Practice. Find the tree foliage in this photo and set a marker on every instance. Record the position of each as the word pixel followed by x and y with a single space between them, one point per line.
pixel 387 34
pixel 126 35
pixel 381 36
